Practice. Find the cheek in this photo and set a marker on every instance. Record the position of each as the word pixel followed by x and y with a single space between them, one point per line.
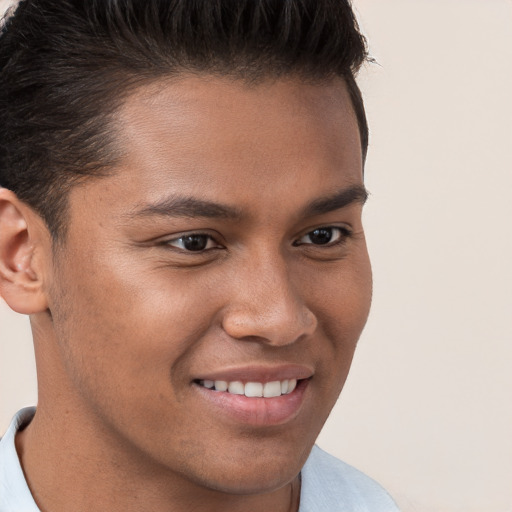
pixel 123 331
pixel 342 300
pixel 341 297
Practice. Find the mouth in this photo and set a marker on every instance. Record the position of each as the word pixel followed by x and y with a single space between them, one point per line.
pixel 271 389
pixel 257 402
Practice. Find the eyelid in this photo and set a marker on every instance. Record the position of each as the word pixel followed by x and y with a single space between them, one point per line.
pixel 344 233
pixel 168 242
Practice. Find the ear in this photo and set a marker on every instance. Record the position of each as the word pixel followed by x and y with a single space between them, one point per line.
pixel 21 251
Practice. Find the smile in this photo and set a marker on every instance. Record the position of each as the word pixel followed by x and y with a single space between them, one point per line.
pixel 252 389
pixel 256 402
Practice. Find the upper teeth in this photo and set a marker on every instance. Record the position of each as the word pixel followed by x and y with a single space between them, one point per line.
pixel 252 389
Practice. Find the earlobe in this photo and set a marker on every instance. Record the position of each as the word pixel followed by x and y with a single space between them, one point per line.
pixel 20 272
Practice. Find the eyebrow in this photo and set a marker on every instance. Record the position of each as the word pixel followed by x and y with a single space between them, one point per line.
pixel 341 199
pixel 178 206
pixel 190 207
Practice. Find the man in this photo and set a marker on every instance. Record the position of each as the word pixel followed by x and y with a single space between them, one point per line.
pixel 181 218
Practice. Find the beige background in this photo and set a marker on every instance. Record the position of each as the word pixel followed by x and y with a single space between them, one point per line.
pixel 427 409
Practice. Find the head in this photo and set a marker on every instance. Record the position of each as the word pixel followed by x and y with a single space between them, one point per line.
pixel 67 67
pixel 182 204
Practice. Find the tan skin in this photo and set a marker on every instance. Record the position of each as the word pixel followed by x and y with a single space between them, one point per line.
pixel 137 317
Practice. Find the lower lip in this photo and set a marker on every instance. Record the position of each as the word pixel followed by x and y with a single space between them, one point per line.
pixel 256 411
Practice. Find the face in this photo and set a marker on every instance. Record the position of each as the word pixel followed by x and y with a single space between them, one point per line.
pixel 223 260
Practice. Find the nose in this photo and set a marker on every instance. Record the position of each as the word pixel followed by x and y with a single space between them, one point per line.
pixel 265 306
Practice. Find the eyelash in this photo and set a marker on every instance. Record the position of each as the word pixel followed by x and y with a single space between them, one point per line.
pixel 343 234
pixel 206 236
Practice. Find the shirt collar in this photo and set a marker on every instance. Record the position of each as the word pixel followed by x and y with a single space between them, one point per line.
pixel 15 495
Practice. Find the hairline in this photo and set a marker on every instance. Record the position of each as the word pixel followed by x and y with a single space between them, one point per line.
pixel 136 84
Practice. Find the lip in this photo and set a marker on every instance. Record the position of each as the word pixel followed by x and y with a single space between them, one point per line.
pixel 259 373
pixel 256 412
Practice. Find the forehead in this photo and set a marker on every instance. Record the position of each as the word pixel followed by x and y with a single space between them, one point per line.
pixel 214 107
pixel 221 139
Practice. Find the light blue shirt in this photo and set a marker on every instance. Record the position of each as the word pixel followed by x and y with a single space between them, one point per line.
pixel 328 484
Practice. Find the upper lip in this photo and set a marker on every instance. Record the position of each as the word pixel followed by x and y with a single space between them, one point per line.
pixel 254 373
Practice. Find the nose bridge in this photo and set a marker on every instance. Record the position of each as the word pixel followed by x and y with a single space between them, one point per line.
pixel 267 304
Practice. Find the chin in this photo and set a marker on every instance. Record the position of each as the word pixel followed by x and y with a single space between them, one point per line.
pixel 261 479
pixel 256 471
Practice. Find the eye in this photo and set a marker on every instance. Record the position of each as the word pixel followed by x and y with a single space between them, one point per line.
pixel 324 236
pixel 195 242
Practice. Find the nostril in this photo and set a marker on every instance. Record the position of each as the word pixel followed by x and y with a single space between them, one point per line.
pixel 280 326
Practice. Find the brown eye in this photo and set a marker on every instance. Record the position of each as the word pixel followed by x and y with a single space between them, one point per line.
pixel 193 243
pixel 323 236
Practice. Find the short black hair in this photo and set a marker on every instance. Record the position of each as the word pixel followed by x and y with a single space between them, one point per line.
pixel 67 65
